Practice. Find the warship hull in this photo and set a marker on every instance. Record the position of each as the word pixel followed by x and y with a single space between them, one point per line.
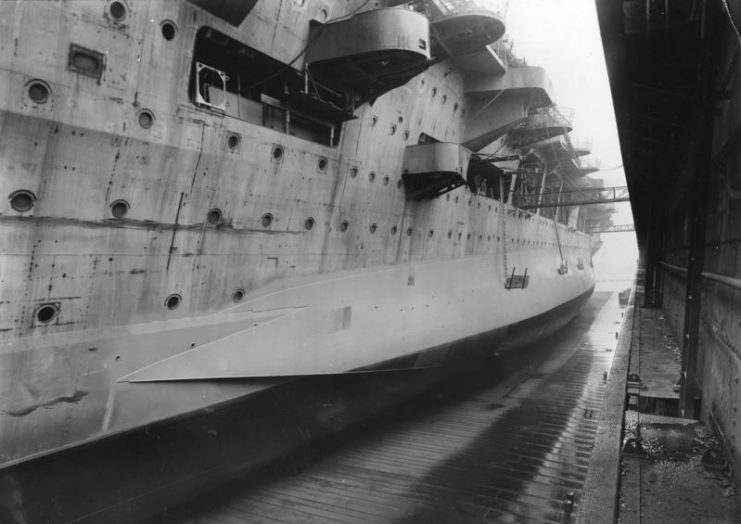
pixel 208 201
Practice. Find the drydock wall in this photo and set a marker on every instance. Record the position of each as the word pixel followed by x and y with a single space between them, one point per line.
pixel 719 342
pixel 676 86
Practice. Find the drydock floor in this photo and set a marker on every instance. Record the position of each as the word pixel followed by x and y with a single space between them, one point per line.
pixel 511 444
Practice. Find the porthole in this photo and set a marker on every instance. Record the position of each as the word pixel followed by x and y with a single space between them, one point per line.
pixel 117 10
pixel 22 200
pixel 146 118
pixel 173 301
pixel 277 153
pixel 238 295
pixel 344 225
pixel 445 98
pixel 374 120
pixel 371 176
pixel 456 200
pixel 399 183
pixel 431 233
pixel 393 129
pixel 323 14
pixel 478 206
pixel 488 238
pixel 450 234
pixel 463 112
pixel 266 220
pixel 394 229
pixel 38 92
pixel 120 208
pixel 353 172
pixel 460 235
pixel 434 92
pixel 386 180
pixel 406 134
pixel 168 29
pixel 214 216
pixel 309 224
pixel 321 164
pixel 373 228
pixel 232 141
pixel 45 313
pixel 455 107
pixel 409 231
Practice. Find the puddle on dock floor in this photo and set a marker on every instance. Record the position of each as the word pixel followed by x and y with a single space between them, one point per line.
pixel 507 445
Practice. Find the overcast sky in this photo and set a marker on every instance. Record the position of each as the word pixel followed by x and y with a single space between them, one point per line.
pixel 563 37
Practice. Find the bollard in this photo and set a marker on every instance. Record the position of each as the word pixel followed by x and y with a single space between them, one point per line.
pixel 568 507
pixel 633 448
pixel 713 459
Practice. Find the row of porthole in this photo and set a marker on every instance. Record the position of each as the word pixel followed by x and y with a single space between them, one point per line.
pixel 90 62
pixel 372 177
pixel 40 93
pixel 470 201
pixel 46 313
pixel 118 12
pixel 278 151
pixel 174 300
pixel 22 201
pixel 393 128
pixel 322 166
pixel 433 94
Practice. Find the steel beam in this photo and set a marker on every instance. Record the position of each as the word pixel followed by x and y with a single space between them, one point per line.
pixel 612 228
pixel 705 103
pixel 573 197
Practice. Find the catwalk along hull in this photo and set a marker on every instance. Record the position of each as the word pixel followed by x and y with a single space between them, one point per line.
pixel 181 232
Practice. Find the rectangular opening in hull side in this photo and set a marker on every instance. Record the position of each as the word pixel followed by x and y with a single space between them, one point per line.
pixel 231 78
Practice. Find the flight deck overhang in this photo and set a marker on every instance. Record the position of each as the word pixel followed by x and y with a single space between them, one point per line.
pixel 484 62
pixel 527 81
pixel 499 103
